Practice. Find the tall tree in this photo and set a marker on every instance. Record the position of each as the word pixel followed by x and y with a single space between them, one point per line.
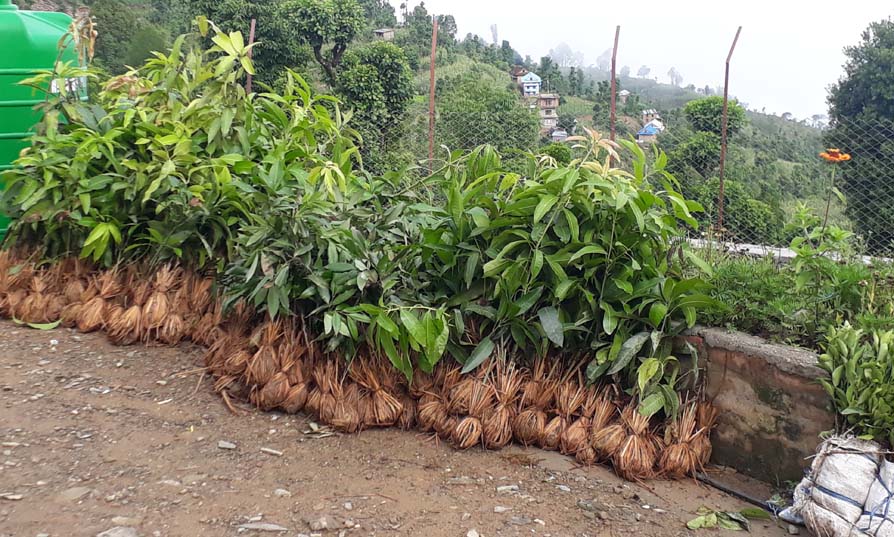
pixel 604 61
pixel 643 71
pixel 565 56
pixel 861 113
pixel 705 115
pixel 325 23
pixel 277 46
pixel 625 71
pixel 378 13
pixel 675 77
pixel 376 82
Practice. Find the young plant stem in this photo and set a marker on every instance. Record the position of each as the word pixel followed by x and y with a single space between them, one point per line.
pixel 828 202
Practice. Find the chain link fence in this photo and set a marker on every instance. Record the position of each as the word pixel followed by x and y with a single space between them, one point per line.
pixel 774 180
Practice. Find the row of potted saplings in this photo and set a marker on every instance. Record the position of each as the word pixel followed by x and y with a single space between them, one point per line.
pixel 278 365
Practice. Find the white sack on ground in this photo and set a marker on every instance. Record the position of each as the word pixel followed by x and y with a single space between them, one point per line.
pixel 878 513
pixel 841 475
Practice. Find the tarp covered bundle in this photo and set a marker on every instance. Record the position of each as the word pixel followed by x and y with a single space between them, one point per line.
pixel 849 490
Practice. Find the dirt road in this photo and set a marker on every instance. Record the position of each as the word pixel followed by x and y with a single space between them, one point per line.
pixel 132 439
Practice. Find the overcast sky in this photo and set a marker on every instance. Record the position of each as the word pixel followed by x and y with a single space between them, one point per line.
pixel 790 51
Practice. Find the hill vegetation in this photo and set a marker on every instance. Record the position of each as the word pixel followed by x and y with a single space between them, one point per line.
pixel 771 164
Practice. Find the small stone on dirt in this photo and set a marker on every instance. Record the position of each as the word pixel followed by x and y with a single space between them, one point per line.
pixel 282 493
pixel 472 533
pixel 270 451
pixel 501 509
pixel 119 531
pixel 520 520
pixel 11 497
pixel 262 526
pixel 793 530
pixel 603 515
pixel 587 505
pixel 223 444
pixel 74 494
pixel 325 522
pixel 564 488
pixel 506 489
pixel 348 506
pixel 466 516
pixel 126 521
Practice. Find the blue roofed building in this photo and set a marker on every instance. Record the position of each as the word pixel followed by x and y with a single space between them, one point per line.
pixel 650 131
pixel 530 84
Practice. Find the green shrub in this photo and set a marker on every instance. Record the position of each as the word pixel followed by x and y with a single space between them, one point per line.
pixel 175 162
pixel 560 152
pixel 861 381
pixel 169 160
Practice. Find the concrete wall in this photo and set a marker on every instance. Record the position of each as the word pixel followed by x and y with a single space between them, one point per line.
pixel 772 409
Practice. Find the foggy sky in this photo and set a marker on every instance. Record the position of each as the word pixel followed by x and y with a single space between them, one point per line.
pixel 788 54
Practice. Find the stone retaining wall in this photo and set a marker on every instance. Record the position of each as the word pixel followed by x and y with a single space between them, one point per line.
pixel 772 409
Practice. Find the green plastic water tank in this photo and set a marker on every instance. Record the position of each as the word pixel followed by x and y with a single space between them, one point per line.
pixel 28 41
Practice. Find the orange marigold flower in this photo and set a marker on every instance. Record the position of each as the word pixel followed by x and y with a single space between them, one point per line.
pixel 834 155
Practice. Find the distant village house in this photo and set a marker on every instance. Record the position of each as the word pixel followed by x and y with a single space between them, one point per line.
pixel 652 127
pixel 385 34
pixel 517 72
pixel 548 103
pixel 559 135
pixel 530 84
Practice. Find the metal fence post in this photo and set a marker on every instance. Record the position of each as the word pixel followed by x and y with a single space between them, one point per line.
pixel 613 112
pixel 723 124
pixel 431 93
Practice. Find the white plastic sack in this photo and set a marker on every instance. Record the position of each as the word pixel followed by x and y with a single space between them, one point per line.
pixel 824 523
pixel 841 476
pixel 878 513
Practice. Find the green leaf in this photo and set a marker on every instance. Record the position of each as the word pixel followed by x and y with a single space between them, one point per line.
pixel 85 202
pixel 754 513
pixel 697 523
pixel 413 325
pixel 536 264
pixel 471 266
pixel 528 300
pixel 586 250
pixel 385 322
pixel 629 349
pixel 646 371
pixel 657 313
pixel 698 261
pixel 563 288
pixel 651 404
pixel 552 326
pixel 546 203
pixel 40 326
pixel 483 351
pixel 402 365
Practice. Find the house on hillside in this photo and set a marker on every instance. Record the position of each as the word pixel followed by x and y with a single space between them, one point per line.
pixel 548 103
pixel 385 34
pixel 529 84
pixel 516 73
pixel 559 135
pixel 650 114
pixel 650 131
pixel 648 134
pixel 623 95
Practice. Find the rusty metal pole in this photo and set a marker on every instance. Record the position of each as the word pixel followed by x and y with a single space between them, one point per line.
pixel 431 93
pixel 723 134
pixel 613 111
pixel 251 40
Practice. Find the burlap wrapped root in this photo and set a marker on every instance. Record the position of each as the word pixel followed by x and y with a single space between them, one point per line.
pixel 831 498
